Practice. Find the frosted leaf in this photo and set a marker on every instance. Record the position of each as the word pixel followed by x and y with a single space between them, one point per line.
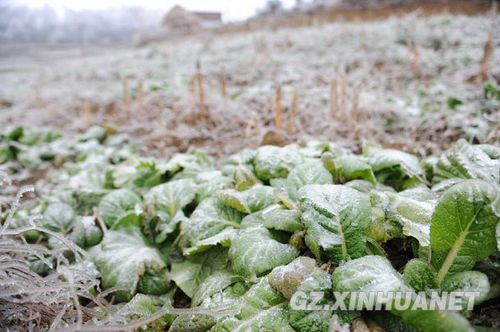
pixel 251 200
pixel 467 162
pixel 254 251
pixel 413 215
pixel 261 308
pixel 223 238
pixel 311 172
pixel 123 257
pixel 273 162
pixel 384 159
pixel 203 229
pixel 367 274
pixel 287 278
pixel 463 226
pixel 336 218
pixel 191 274
pixel 172 196
pixel 118 205
pixel 275 217
pixel 468 281
pixel 351 167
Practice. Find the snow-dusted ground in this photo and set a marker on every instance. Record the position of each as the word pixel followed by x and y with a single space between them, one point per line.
pixel 398 91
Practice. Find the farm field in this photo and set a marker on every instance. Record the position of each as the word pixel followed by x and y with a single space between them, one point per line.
pixel 200 183
pixel 393 83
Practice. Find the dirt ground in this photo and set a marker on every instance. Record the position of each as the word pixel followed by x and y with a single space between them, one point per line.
pixel 385 81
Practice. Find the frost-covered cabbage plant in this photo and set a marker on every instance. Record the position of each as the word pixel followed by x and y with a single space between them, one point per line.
pixel 123 241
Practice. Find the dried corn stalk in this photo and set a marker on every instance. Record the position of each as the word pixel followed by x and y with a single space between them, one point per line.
pixel 223 84
pixel 278 111
pixel 334 102
pixel 293 112
pixel 139 98
pixel 126 97
pixel 201 92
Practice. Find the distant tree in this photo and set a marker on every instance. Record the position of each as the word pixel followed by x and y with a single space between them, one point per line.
pixel 20 23
pixel 274 6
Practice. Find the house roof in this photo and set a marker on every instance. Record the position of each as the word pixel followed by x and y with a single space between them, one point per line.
pixel 180 18
pixel 209 16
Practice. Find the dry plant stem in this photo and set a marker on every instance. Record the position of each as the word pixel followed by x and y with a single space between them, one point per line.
pixel 98 217
pixel 487 50
pixel 58 318
pixel 193 89
pixel 293 112
pixel 334 102
pixel 87 111
pixel 414 57
pixel 487 56
pixel 16 204
pixel 343 93
pixel 277 109
pixel 495 132
pixel 38 99
pixel 126 98
pixel 76 303
pixel 139 98
pixel 101 296
pixel 201 92
pixel 68 243
pixel 216 312
pixel 223 84
pixel 355 102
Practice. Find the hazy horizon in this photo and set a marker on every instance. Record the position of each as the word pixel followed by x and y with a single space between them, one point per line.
pixel 230 9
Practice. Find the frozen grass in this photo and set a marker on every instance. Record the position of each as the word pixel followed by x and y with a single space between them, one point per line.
pixel 28 300
pixel 68 298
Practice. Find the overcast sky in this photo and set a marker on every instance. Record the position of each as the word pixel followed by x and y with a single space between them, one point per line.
pixel 231 9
